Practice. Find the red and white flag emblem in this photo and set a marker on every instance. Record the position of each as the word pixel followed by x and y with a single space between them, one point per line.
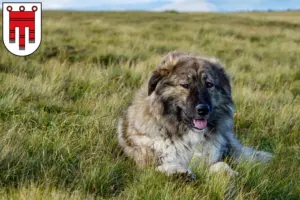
pixel 22 27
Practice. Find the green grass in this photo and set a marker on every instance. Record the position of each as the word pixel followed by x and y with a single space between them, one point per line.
pixel 59 106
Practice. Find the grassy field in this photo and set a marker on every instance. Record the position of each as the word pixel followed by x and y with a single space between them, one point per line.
pixel 59 106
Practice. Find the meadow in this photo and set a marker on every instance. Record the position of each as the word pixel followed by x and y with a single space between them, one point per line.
pixel 59 106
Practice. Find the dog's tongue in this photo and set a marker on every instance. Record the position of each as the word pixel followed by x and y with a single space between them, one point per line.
pixel 200 124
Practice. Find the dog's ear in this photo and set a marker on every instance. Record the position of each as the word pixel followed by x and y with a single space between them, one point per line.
pixel 163 69
pixel 156 76
pixel 223 79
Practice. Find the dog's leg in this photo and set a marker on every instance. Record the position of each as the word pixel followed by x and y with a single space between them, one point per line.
pixel 144 157
pixel 210 153
pixel 222 167
pixel 171 169
pixel 172 160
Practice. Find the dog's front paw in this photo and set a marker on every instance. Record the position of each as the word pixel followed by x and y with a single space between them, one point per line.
pixel 178 171
pixel 222 167
pixel 263 157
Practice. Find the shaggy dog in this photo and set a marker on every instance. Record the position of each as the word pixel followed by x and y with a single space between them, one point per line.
pixel 184 112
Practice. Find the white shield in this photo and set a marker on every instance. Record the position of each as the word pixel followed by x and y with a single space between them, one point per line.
pixel 22 27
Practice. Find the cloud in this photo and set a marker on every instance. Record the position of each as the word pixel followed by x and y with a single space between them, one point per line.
pixel 79 4
pixel 55 4
pixel 188 6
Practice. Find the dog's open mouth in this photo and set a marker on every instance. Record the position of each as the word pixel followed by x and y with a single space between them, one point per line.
pixel 200 123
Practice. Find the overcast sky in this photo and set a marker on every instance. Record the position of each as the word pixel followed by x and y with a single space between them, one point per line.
pixel 180 5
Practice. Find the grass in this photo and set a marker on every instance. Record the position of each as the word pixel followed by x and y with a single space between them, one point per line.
pixel 59 106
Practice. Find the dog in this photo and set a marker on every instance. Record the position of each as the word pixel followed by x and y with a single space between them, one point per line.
pixel 183 113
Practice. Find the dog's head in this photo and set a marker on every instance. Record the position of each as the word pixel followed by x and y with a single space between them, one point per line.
pixel 191 89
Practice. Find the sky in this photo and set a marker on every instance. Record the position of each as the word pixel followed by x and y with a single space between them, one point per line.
pixel 161 5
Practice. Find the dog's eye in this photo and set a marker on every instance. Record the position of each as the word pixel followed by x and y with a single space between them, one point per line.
pixel 209 85
pixel 186 86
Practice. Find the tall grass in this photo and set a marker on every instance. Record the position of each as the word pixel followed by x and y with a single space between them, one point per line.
pixel 59 106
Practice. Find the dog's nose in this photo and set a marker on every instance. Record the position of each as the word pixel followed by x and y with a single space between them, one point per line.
pixel 202 109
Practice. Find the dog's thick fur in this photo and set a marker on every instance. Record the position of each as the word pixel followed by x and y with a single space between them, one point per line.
pixel 157 128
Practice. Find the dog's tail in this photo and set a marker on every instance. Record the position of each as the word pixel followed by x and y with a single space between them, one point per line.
pixel 242 153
